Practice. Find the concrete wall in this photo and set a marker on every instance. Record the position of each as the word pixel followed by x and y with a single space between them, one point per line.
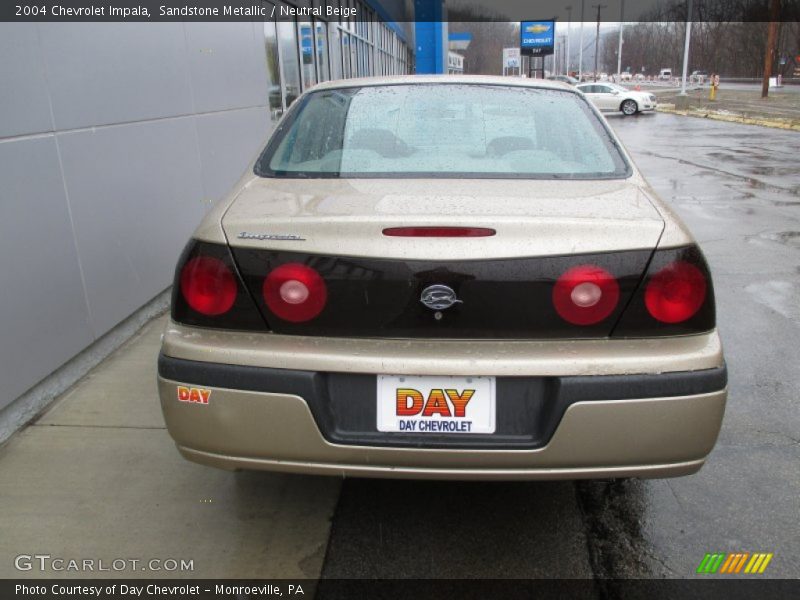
pixel 114 140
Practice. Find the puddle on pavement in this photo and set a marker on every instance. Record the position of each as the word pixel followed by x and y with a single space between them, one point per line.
pixel 773 171
pixel 755 183
pixel 777 295
pixel 614 511
pixel 787 238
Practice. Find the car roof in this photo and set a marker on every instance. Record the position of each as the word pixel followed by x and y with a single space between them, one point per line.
pixel 444 79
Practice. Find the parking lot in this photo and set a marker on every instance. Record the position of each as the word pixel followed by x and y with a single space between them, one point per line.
pixel 97 476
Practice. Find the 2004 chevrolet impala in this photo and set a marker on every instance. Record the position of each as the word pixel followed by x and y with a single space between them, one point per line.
pixel 450 277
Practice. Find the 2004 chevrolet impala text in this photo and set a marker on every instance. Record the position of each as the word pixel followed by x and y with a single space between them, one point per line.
pixel 453 277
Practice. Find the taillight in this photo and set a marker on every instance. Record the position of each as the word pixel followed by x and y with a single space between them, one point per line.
pixel 208 285
pixel 675 297
pixel 295 292
pixel 675 293
pixel 585 295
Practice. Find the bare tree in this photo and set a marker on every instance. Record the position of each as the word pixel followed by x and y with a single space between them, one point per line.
pixel 484 56
pixel 730 49
pixel 718 45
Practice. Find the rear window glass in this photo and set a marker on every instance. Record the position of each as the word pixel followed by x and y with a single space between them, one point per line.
pixel 442 130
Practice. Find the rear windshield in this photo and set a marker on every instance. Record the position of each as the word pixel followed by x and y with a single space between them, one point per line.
pixel 442 130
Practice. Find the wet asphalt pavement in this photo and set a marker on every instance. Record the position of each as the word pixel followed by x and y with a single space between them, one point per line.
pixel 738 188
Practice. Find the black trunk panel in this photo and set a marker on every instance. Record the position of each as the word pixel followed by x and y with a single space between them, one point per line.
pixel 501 299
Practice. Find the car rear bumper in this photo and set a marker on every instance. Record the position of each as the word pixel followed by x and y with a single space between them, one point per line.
pixel 654 423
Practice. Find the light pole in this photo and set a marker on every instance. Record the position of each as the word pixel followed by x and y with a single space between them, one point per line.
pixel 619 50
pixel 597 38
pixel 687 40
pixel 580 51
pixel 569 26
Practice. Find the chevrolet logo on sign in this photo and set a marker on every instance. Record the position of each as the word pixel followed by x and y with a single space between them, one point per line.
pixel 538 28
pixel 536 37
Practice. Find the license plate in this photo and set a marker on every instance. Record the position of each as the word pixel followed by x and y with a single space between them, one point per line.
pixel 436 404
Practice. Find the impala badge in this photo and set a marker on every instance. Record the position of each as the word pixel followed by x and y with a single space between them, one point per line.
pixel 439 297
pixel 282 237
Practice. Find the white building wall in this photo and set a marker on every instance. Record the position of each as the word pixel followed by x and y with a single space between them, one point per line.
pixel 115 138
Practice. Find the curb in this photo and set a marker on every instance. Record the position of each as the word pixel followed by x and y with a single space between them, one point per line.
pixel 786 124
pixel 36 400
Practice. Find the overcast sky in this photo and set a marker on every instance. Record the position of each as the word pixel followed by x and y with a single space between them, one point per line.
pixel 533 10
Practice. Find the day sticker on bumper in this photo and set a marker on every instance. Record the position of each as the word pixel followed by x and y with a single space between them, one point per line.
pixel 195 395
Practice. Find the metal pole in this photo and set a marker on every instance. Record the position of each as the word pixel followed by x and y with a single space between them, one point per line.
pixel 580 56
pixel 597 39
pixel 556 48
pixel 687 41
pixel 569 26
pixel 619 50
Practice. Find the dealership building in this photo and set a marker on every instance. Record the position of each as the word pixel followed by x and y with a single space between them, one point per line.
pixel 115 140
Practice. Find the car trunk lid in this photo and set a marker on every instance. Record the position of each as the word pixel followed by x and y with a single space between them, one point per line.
pixel 530 217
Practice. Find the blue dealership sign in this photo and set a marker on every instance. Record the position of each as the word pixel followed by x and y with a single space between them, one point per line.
pixel 537 38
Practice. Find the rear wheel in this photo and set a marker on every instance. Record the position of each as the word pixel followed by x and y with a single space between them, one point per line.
pixel 629 107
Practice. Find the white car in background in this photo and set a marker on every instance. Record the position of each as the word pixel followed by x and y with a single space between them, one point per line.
pixel 615 98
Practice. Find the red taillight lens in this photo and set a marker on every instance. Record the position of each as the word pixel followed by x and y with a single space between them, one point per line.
pixel 439 232
pixel 295 292
pixel 676 292
pixel 208 285
pixel 585 295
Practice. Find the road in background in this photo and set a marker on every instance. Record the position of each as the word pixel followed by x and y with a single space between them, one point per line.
pixel 738 188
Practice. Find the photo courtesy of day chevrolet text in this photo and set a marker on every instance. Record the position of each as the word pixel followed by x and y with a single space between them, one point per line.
pixel 153 590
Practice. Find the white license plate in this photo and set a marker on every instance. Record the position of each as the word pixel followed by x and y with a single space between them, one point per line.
pixel 436 404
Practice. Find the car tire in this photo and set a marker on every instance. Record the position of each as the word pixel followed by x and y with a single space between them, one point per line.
pixel 629 107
